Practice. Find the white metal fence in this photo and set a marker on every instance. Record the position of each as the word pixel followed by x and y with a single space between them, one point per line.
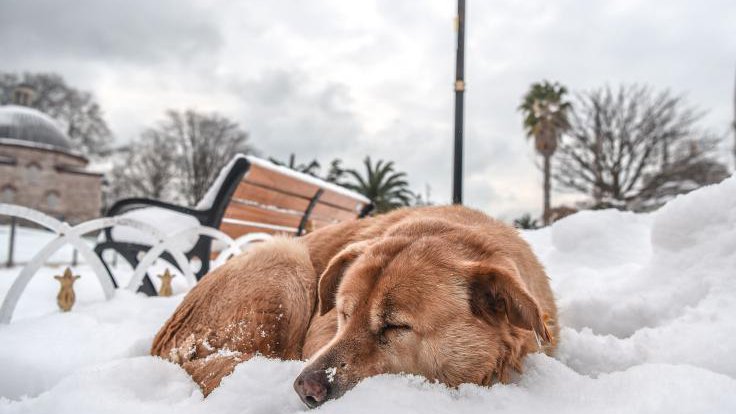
pixel 65 234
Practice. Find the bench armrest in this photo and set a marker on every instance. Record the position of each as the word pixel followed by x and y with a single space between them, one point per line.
pixel 127 204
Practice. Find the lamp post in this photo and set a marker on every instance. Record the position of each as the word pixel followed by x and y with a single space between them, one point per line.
pixel 734 124
pixel 457 177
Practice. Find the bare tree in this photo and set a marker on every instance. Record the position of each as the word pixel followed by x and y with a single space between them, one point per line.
pixel 77 111
pixel 634 149
pixel 148 168
pixel 178 159
pixel 204 143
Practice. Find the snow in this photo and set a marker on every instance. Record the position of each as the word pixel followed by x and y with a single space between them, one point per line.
pixel 168 222
pixel 647 306
pixel 331 374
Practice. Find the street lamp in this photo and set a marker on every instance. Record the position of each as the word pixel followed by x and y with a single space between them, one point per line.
pixel 457 178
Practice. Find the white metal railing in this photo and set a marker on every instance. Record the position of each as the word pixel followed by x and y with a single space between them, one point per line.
pixel 67 234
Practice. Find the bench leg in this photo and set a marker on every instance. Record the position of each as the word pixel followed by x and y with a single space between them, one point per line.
pixel 131 256
pixel 99 249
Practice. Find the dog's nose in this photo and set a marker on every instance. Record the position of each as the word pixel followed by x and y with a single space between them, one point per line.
pixel 313 388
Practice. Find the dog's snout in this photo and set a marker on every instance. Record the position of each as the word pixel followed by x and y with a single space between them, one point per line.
pixel 313 388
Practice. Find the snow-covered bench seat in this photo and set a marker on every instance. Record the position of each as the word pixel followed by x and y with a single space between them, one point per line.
pixel 249 195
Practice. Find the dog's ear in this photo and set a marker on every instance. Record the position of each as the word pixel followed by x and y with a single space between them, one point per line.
pixel 496 289
pixel 331 277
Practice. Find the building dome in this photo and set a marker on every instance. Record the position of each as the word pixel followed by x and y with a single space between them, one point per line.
pixel 32 127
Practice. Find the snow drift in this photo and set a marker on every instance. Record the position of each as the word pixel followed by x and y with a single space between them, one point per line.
pixel 647 305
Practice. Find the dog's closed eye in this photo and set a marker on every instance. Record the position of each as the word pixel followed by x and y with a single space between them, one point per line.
pixel 389 330
pixel 397 327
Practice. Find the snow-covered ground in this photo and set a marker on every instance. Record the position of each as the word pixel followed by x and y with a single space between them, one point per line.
pixel 647 305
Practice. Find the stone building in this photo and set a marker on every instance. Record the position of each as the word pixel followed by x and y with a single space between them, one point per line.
pixel 39 169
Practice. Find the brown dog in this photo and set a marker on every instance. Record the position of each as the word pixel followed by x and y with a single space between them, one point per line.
pixel 443 292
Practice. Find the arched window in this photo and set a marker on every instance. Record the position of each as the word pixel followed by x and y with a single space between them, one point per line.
pixel 7 195
pixel 53 199
pixel 33 173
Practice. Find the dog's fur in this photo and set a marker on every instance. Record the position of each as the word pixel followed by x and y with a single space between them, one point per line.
pixel 443 292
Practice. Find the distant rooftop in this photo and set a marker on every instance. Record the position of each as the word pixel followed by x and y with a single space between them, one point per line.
pixel 32 126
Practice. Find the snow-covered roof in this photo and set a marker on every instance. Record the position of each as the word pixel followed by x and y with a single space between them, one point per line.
pixel 29 125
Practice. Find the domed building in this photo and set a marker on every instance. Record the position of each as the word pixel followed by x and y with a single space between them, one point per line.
pixel 38 167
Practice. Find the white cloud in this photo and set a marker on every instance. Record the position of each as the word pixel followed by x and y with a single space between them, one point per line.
pixel 335 78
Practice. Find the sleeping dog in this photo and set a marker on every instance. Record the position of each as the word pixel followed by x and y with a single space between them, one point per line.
pixel 443 292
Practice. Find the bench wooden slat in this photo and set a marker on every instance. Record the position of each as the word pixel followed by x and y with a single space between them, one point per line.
pixel 268 178
pixel 347 203
pixel 248 191
pixel 250 213
pixel 327 213
pixel 236 230
pixel 273 200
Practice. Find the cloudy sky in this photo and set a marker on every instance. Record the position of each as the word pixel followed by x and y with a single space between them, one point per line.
pixel 339 78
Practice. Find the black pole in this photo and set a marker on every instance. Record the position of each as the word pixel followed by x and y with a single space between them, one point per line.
pixel 734 124
pixel 457 177
pixel 11 244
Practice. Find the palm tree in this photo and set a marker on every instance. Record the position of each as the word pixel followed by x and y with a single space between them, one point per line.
pixel 312 168
pixel 385 187
pixel 526 222
pixel 545 118
pixel 336 171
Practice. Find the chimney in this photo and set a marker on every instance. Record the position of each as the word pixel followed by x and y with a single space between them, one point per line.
pixel 23 95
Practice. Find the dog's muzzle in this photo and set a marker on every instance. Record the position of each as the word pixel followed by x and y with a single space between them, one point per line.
pixel 313 388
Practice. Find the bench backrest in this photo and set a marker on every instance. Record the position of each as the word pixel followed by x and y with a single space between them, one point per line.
pixel 277 200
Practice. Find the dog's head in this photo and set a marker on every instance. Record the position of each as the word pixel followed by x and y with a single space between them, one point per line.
pixel 429 300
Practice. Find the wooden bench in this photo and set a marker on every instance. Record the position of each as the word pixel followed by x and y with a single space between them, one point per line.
pixel 278 200
pixel 249 195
